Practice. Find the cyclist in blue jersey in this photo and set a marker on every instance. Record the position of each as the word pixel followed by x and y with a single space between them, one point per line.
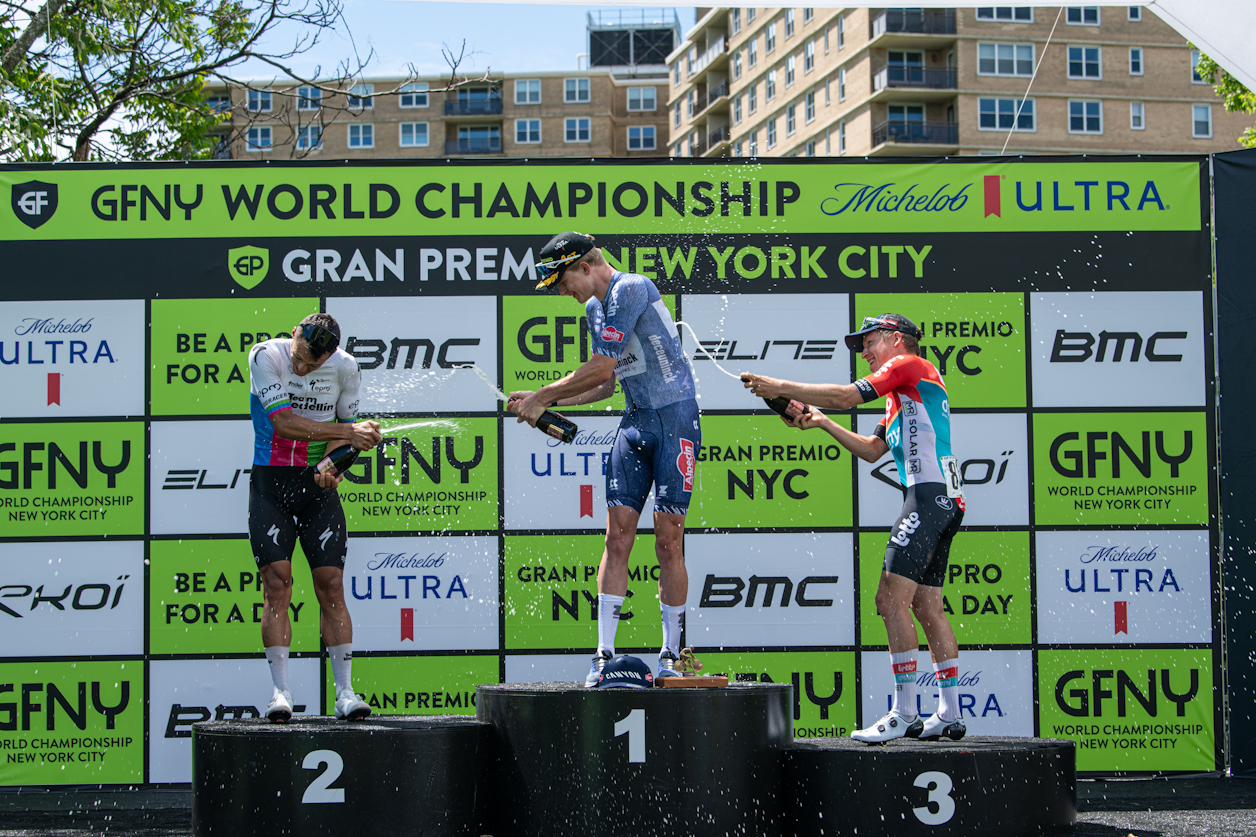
pixel 634 339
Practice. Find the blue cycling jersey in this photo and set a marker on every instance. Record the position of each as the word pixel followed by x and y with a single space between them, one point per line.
pixel 635 328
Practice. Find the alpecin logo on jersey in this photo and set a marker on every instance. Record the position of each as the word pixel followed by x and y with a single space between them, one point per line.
pixel 610 334
pixel 685 463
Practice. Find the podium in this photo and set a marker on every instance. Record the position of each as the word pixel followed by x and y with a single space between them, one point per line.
pixel 638 762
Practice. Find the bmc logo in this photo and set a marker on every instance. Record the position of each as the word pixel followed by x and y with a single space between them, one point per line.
pixel 1080 346
pixel 610 334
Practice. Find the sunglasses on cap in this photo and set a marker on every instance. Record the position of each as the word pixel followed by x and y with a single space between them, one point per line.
pixel 551 272
pixel 321 340
pixel 878 322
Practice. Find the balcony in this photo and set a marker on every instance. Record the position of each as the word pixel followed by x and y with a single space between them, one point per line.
pixel 898 132
pixel 919 27
pixel 716 139
pixel 898 75
pixel 474 107
pixel 712 96
pixel 718 49
pixel 478 145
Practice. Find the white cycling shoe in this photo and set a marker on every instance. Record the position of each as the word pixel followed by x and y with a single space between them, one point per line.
pixel 893 725
pixel 280 709
pixel 935 728
pixel 350 707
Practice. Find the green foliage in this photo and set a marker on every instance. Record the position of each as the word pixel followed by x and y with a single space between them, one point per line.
pixel 1237 98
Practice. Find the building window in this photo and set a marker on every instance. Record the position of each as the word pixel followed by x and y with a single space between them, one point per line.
pixel 841 31
pixel 754 143
pixel 791 120
pixel 676 118
pixel 1136 116
pixel 219 102
pixel 809 57
pixel 789 71
pixel 841 84
pixel 826 40
pixel 1195 76
pixel 414 95
pixel 640 137
pixel 361 136
pixel 737 148
pixel 309 98
pixel 1202 121
pixel 754 98
pixel 641 98
pixel 807 15
pixel 1085 117
pixel 736 110
pixel 841 137
pixel 809 106
pixel 789 23
pixel 527 131
pixel 1136 13
pixel 769 38
pixel 690 98
pixel 578 129
pixel 769 86
pixel 677 79
pixel 693 144
pixel 1082 15
pixel 827 100
pixel 1084 62
pixel 752 53
pixel 360 96
pixel 1136 61
pixel 772 132
pixel 413 134
pixel 259 101
pixel 737 64
pixel 1000 115
pixel 1020 14
pixel 310 138
pixel 735 17
pixel 811 148
pixel 576 90
pixel 527 91
pixel 258 139
pixel 1005 59
pixel 750 13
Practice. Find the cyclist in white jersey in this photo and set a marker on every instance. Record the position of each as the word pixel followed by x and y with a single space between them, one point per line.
pixel 634 340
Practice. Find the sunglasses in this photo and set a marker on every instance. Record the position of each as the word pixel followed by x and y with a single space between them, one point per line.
pixel 550 272
pixel 321 340
pixel 870 322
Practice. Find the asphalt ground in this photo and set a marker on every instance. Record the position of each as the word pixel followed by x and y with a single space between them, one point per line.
pixel 1201 806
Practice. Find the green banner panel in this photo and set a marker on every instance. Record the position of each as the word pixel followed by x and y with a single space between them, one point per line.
pixel 977 342
pixel 1130 709
pixel 75 479
pixel 1102 469
pixel 200 350
pixel 987 595
pixel 825 697
pixel 71 723
pixel 428 475
pixel 545 337
pixel 551 593
pixel 757 471
pixel 206 598
pixel 418 685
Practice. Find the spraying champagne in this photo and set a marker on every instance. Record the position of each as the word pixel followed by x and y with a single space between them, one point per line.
pixel 551 423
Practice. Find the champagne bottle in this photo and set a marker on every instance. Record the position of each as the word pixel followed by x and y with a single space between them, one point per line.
pixel 338 461
pixel 558 426
pixel 787 407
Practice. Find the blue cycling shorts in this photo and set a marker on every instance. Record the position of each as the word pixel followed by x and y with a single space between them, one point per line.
pixel 656 448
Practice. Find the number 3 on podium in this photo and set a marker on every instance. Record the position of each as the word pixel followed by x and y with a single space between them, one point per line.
pixel 634 727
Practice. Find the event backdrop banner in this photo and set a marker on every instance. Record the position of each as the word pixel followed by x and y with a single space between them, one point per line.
pixel 1066 302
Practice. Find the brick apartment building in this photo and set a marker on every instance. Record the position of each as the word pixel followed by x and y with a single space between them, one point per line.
pixel 828 82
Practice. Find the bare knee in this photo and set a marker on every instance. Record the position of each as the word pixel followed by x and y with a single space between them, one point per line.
pixel 887 605
pixel 329 587
pixel 277 585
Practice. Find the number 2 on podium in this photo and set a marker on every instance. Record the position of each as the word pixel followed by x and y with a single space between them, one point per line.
pixel 634 727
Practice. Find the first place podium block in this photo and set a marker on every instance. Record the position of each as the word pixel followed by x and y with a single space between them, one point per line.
pixel 387 775
pixel 634 762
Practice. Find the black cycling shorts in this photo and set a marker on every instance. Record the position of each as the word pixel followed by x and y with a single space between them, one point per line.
pixel 920 542
pixel 285 503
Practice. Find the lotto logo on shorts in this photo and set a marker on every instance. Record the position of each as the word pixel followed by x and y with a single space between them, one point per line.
pixel 686 463
pixel 610 334
pixel 906 528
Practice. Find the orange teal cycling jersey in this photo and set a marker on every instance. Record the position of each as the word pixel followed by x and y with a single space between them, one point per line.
pixel 917 421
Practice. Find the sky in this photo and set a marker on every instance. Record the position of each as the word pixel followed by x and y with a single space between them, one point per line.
pixel 500 37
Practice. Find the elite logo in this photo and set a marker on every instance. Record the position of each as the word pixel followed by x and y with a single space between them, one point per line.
pixel 34 202
pixel 248 265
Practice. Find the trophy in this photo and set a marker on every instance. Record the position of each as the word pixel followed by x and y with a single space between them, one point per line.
pixel 690 668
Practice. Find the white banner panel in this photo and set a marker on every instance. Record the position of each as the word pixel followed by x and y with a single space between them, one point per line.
pixel 1118 349
pixel 200 477
pixel 994 460
pixel 548 668
pixel 996 689
pixel 793 336
pixel 182 692
pixel 1124 587
pixel 72 599
pixel 758 589
pixel 409 348
pixel 551 485
pixel 73 358
pixel 422 593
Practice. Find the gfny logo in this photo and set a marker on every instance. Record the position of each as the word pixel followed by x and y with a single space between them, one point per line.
pixel 34 202
pixel 85 597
